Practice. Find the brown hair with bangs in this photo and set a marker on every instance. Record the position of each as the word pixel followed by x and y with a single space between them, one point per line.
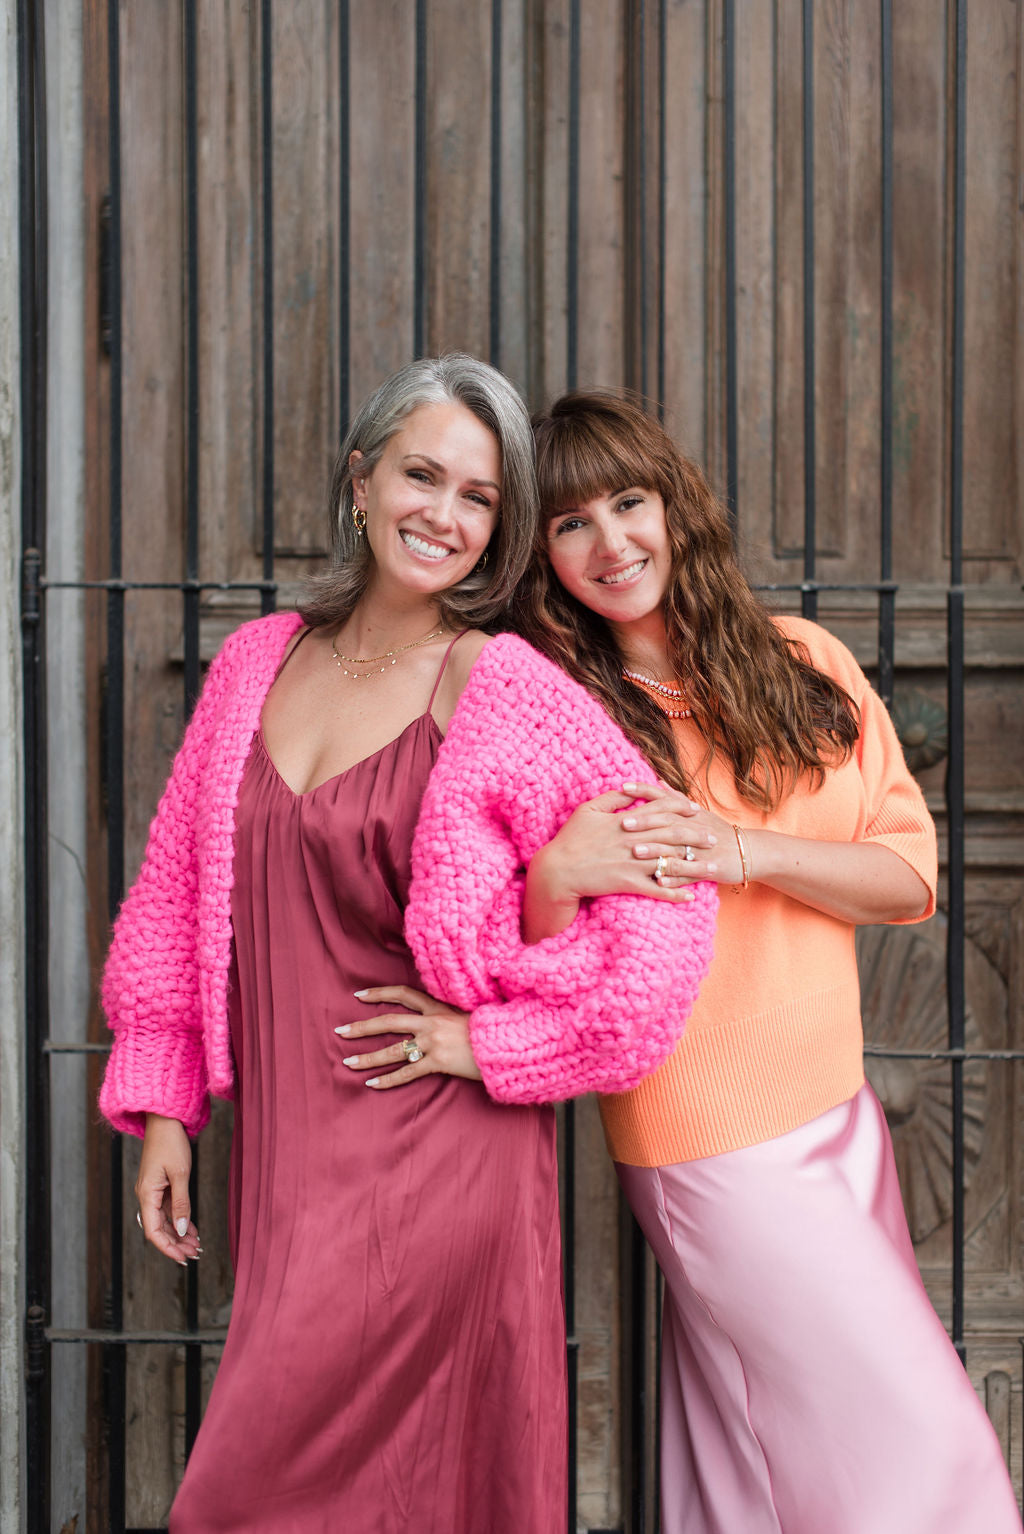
pixel 754 694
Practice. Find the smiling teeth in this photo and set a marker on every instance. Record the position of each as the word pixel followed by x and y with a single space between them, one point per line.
pixel 622 575
pixel 428 550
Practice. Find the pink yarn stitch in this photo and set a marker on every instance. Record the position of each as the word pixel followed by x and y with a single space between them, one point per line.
pixel 602 1004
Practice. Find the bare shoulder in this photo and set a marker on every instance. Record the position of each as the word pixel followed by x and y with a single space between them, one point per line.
pixel 464 655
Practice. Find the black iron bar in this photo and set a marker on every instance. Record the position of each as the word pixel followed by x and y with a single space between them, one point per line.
pixel 639 171
pixel 114 1360
pixel 190 602
pixel 32 321
pixel 887 598
pixel 209 1336
pixel 662 202
pixel 572 223
pixel 569 1270
pixel 729 190
pixel 809 602
pixel 267 205
pixel 494 309
pixel 344 220
pixel 955 931
pixel 123 585
pixel 419 262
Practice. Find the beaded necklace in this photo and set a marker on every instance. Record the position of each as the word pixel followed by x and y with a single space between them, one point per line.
pixel 661 690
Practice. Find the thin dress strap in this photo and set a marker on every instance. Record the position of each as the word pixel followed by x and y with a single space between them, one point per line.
pixel 444 664
pixel 304 635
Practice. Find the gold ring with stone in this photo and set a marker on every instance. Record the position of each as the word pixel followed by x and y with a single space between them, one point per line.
pixel 411 1050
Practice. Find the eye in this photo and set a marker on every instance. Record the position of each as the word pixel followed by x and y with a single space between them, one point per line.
pixel 481 500
pixel 420 475
pixel 629 501
pixel 565 525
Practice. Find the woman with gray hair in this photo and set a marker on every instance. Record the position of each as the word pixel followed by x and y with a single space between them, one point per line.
pixel 395 1362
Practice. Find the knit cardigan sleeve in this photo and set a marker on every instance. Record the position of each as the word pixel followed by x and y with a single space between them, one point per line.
pixel 600 1005
pixel 151 989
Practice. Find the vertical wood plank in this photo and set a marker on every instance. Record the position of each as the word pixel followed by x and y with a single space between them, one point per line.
pixel 991 318
pixel 458 177
pixel 687 251
pixel 382 109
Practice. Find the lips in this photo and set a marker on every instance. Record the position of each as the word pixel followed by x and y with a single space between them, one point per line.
pixel 619 577
pixel 423 546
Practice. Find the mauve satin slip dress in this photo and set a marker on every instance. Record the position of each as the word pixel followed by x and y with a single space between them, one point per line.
pixel 395 1362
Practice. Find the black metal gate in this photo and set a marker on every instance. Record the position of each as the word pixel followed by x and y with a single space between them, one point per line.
pixel 646 25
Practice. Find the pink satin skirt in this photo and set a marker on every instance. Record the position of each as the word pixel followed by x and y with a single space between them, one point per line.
pixel 807 1385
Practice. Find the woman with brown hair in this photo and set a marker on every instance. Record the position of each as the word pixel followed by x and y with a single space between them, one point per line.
pixel 807 1383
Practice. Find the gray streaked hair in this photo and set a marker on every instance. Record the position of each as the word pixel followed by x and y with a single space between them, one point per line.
pixel 454 379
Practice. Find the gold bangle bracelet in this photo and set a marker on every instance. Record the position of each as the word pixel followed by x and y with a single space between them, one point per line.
pixel 744 860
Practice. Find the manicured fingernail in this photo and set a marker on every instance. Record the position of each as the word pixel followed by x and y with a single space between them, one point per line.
pixel 373 1082
pixel 350 1060
pixel 629 821
pixel 361 994
pixel 688 896
pixel 712 841
pixel 181 1226
pixel 182 1262
pixel 344 1028
pixel 712 868
pixel 629 788
pixel 640 852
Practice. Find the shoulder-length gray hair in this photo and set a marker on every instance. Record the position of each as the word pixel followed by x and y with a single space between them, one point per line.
pixel 455 379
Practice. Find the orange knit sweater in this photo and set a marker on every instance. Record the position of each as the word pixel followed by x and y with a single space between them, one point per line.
pixel 775 1037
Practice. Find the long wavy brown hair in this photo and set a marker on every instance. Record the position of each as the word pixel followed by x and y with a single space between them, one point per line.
pixel 753 693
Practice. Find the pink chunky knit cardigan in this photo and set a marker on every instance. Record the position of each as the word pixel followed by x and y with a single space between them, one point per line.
pixel 605 1001
pixel 598 1006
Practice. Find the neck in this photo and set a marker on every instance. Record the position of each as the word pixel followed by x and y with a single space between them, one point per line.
pixel 643 646
pixel 381 622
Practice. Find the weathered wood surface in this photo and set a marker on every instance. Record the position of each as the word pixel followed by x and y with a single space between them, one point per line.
pixel 649 295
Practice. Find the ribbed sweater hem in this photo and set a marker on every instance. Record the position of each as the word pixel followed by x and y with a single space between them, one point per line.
pixel 742 1082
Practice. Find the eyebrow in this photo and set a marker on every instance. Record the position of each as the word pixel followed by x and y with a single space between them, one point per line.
pixel 440 469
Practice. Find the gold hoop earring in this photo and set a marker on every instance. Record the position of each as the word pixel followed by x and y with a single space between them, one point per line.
pixel 481 563
pixel 359 520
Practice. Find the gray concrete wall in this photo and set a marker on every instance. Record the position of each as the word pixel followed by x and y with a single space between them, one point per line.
pixel 11 842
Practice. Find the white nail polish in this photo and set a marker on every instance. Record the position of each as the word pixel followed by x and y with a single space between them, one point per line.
pixel 344 1028
pixel 360 994
pixel 181 1226
pixel 350 1060
pixel 373 1082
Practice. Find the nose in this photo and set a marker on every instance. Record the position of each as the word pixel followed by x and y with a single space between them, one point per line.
pixel 611 538
pixel 439 510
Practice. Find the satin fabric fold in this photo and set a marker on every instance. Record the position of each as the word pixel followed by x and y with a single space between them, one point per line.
pixel 808 1386
pixel 395 1360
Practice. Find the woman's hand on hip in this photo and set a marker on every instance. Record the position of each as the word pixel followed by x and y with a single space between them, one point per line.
pixel 162 1190
pixel 438 1042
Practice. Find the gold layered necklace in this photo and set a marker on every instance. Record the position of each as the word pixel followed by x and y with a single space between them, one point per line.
pixel 669 699
pixel 373 661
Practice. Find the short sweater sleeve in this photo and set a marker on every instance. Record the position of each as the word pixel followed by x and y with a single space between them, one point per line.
pixel 897 816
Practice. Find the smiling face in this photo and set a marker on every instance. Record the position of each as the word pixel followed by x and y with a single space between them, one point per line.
pixel 432 499
pixel 613 554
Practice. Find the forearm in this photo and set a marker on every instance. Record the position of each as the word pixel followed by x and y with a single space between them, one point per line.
pixel 548 906
pixel 857 882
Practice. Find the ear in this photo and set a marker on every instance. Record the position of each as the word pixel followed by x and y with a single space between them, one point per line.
pixel 355 458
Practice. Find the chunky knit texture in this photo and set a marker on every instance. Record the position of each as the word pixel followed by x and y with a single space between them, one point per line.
pixel 775 1036
pixel 602 1004
pixel 166 980
pixel 521 729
